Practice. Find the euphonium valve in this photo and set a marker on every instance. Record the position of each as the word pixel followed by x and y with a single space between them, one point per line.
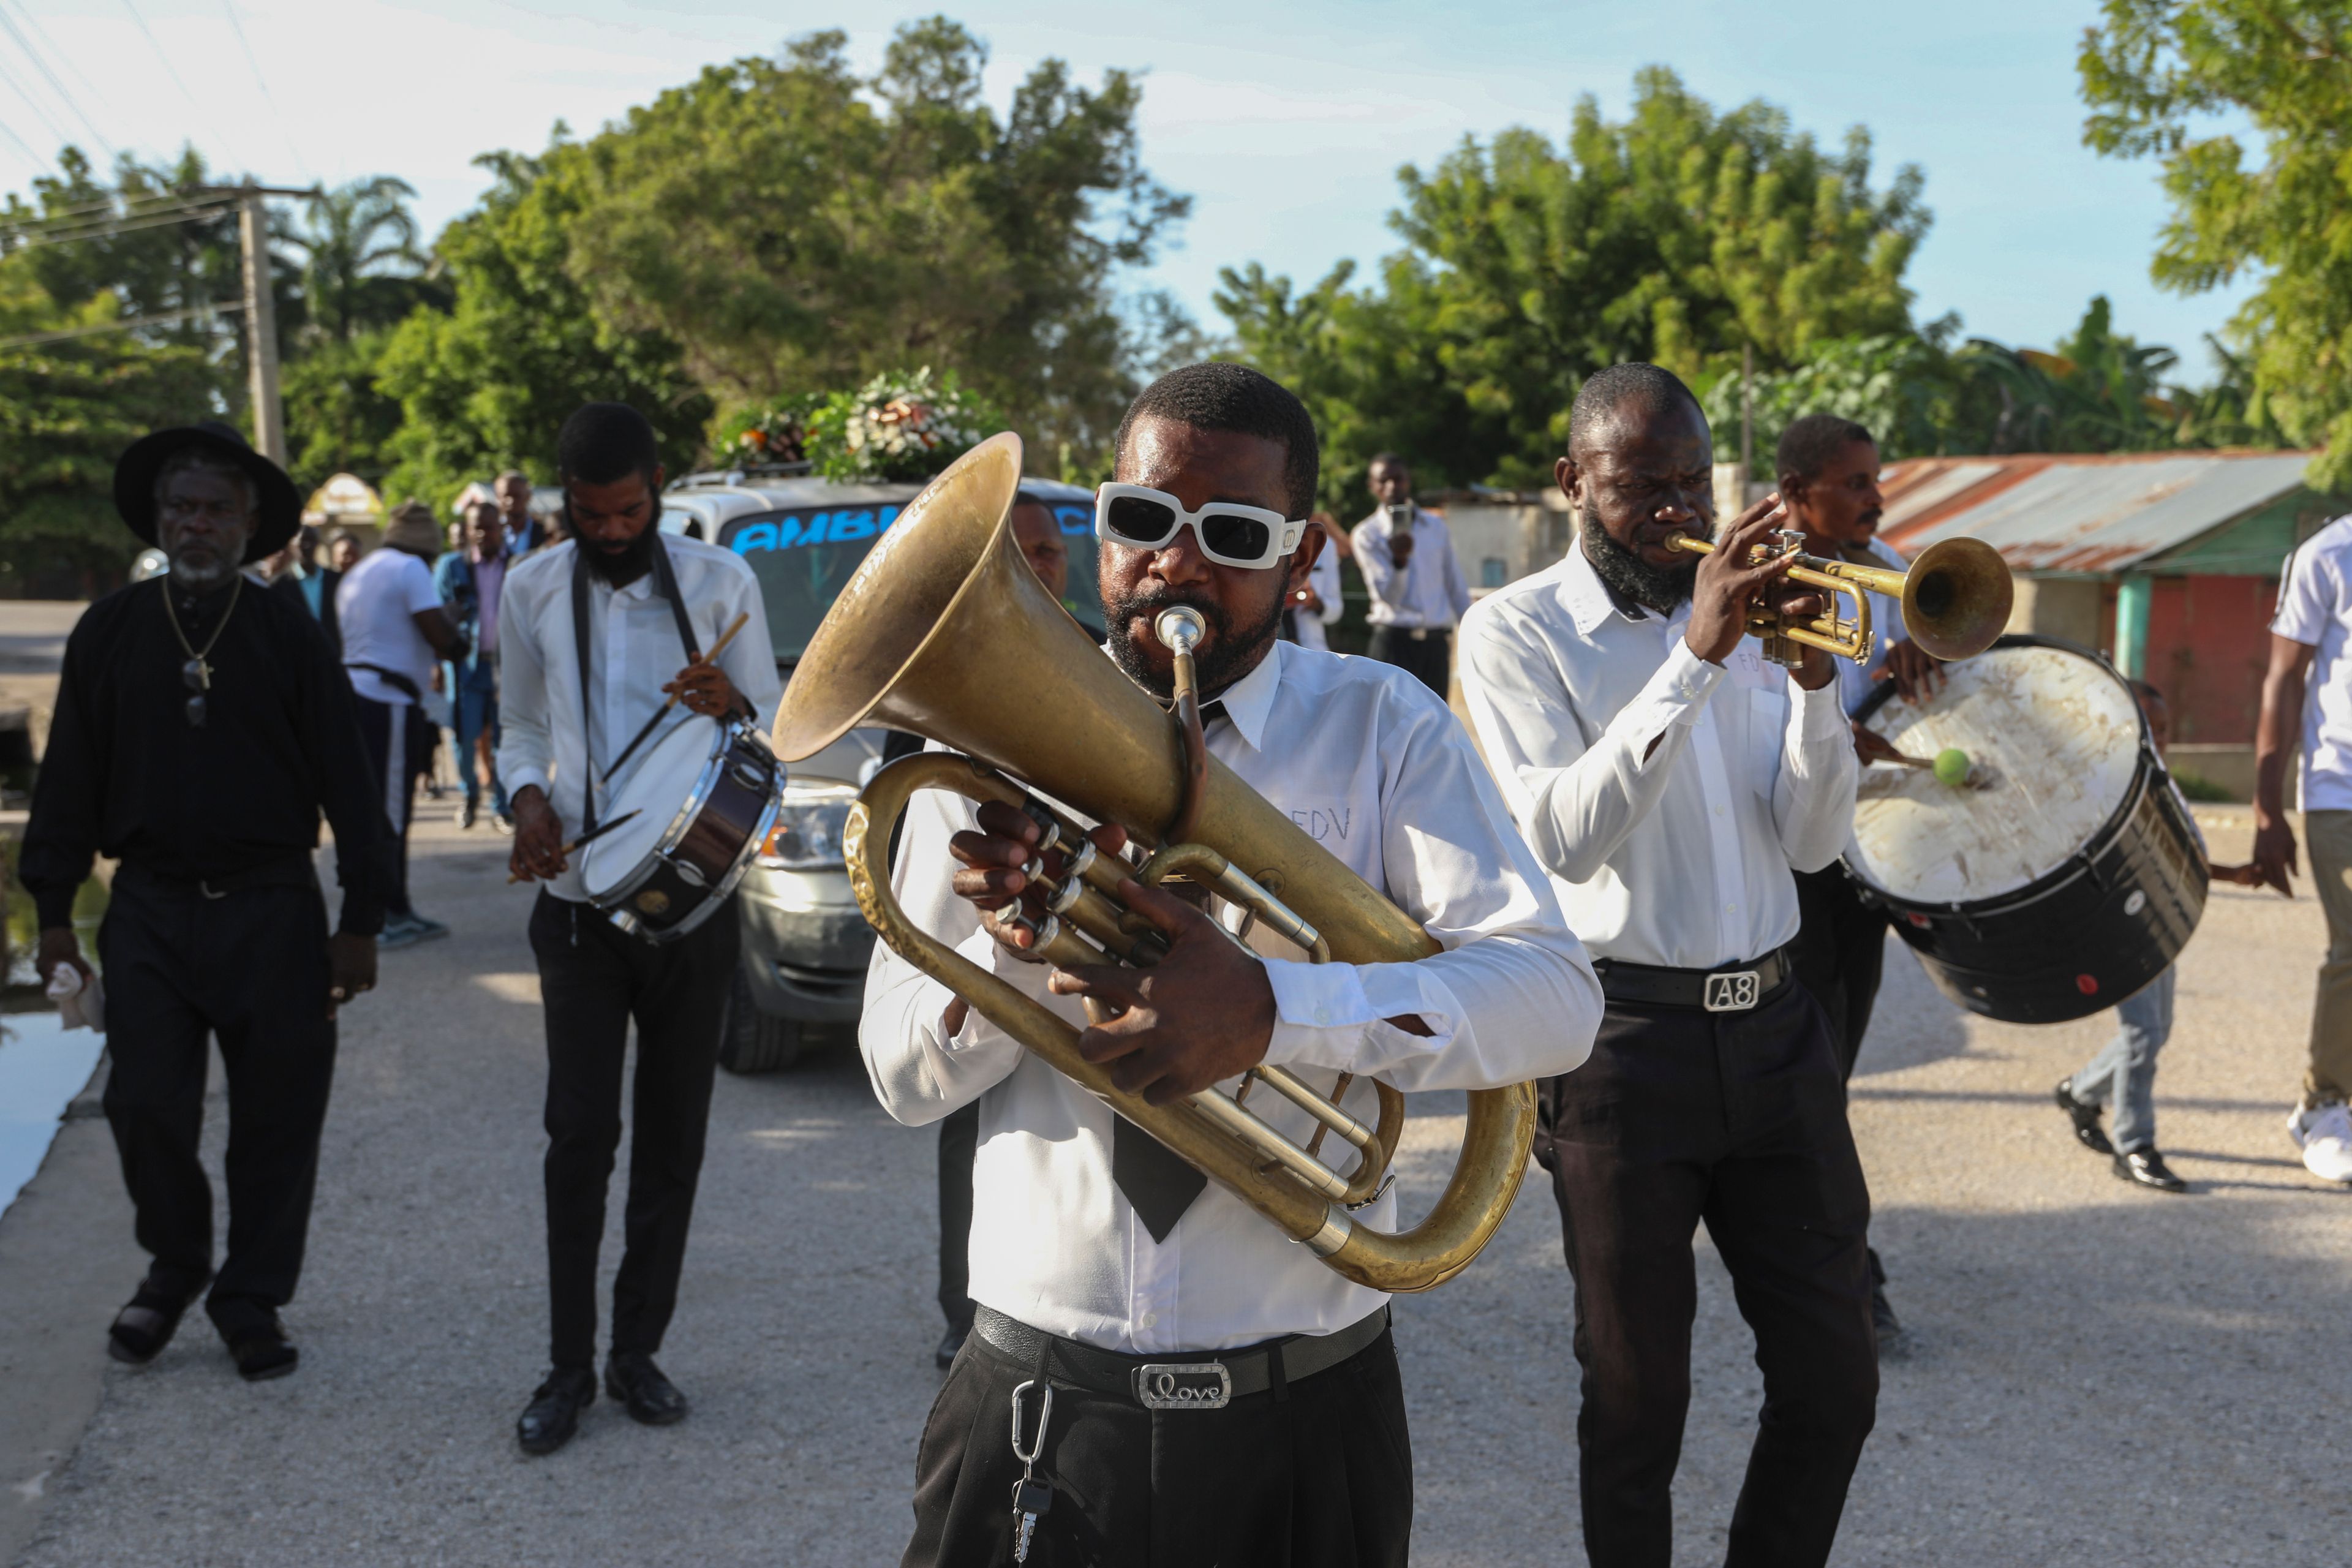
pixel 919 640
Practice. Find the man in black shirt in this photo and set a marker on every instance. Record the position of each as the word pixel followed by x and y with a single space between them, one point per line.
pixel 202 725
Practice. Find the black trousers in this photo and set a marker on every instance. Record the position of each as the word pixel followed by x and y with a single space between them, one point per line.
pixel 593 980
pixel 1841 953
pixel 958 1142
pixel 1428 659
pixel 1738 1120
pixel 400 742
pixel 1316 1474
pixel 250 969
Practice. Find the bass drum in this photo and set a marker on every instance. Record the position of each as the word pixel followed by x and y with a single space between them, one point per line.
pixel 2071 879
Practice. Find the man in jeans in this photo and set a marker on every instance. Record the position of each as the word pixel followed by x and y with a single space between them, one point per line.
pixel 469 581
pixel 2307 695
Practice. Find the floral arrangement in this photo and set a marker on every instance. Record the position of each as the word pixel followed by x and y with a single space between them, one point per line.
pixel 899 427
pixel 767 435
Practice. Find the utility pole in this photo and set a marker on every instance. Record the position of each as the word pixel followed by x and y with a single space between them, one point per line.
pixel 261 317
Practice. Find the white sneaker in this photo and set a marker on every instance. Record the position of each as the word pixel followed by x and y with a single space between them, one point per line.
pixel 2325 1134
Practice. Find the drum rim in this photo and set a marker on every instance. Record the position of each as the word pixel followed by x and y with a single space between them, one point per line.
pixel 2145 772
pixel 675 834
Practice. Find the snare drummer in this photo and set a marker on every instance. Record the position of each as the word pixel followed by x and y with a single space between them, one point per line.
pixel 1672 780
pixel 648 603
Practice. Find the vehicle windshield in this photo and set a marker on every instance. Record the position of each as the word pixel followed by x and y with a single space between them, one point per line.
pixel 804 556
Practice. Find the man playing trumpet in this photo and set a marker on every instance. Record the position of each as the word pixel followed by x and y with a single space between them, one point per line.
pixel 1096 1254
pixel 1673 779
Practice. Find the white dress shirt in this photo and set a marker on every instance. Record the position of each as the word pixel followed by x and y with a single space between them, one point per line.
pixel 2314 608
pixel 1669 797
pixel 1324 578
pixel 633 650
pixel 1430 591
pixel 1374 768
pixel 1857 681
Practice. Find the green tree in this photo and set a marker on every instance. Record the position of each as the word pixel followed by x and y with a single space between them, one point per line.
pixel 1678 235
pixel 2159 76
pixel 67 408
pixel 486 384
pixel 793 227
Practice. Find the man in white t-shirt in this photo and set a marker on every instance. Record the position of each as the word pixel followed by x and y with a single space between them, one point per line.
pixel 394 632
pixel 2307 694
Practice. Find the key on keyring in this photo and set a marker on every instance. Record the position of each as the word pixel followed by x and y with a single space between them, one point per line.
pixel 1031 1496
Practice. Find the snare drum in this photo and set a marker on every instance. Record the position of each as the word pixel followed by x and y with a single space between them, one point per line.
pixel 707 796
pixel 2068 882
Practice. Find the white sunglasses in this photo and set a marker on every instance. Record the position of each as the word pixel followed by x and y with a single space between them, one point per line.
pixel 1230 533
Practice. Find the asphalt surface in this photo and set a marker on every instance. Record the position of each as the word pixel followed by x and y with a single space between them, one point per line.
pixel 2092 1372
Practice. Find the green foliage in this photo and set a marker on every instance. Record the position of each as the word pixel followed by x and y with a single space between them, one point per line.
pixel 361 266
pixel 767 434
pixel 487 384
pixel 67 409
pixel 1676 236
pixel 2156 73
pixel 793 227
pixel 2099 392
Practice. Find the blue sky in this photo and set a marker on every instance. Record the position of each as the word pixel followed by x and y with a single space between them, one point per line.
pixel 1285 123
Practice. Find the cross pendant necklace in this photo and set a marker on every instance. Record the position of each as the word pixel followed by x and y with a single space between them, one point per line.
pixel 197 673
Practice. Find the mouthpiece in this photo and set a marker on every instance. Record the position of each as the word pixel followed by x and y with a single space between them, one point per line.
pixel 1180 628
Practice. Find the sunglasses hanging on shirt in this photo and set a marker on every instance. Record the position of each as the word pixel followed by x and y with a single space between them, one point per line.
pixel 1230 533
pixel 196 673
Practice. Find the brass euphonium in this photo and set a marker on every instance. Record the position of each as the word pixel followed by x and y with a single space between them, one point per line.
pixel 945 632
pixel 1956 599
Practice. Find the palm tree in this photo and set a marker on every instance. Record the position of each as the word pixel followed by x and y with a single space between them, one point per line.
pixel 360 257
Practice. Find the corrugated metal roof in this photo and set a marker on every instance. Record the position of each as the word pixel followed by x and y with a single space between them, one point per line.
pixel 2070 512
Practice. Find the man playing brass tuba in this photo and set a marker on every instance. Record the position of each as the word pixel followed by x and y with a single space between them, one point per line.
pixel 1216 1395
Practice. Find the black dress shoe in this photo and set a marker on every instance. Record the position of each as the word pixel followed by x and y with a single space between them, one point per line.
pixel 2146 1168
pixel 950 1343
pixel 261 1349
pixel 1884 1323
pixel 554 1413
pixel 631 1377
pixel 147 1323
pixel 2085 1118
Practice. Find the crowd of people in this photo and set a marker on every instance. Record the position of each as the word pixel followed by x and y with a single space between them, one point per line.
pixel 1637 899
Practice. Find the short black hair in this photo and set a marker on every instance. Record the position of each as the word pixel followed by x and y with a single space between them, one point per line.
pixel 1218 394
pixel 1808 444
pixel 1391 458
pixel 1642 388
pixel 602 442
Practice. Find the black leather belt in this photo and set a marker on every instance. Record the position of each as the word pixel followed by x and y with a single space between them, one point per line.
pixel 1179 1380
pixel 1734 988
pixel 292 872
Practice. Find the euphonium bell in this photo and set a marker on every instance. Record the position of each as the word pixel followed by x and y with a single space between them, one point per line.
pixel 945 632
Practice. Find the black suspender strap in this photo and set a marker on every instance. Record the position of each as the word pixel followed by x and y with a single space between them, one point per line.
pixel 665 579
pixel 580 641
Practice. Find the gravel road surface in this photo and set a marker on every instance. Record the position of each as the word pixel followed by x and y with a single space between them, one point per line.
pixel 2092 1372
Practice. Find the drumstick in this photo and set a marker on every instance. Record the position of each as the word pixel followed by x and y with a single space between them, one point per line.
pixel 640 738
pixel 586 839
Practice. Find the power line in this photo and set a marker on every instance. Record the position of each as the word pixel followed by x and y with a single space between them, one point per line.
pixel 52 225
pixel 172 71
pixel 262 82
pixel 39 113
pixel 105 205
pixel 41 65
pixel 29 241
pixel 42 34
pixel 161 319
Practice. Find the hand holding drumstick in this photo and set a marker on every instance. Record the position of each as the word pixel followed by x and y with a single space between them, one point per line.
pixel 703 687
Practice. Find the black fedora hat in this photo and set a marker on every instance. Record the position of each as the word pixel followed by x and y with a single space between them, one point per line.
pixel 278 508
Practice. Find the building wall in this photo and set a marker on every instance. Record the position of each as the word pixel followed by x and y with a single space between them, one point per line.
pixel 2207 645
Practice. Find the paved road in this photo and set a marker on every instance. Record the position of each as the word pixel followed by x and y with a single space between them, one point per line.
pixel 33 634
pixel 2094 1373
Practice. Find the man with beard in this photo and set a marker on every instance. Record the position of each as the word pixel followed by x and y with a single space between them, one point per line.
pixel 587 631
pixel 1829 482
pixel 1672 780
pixel 1094 1252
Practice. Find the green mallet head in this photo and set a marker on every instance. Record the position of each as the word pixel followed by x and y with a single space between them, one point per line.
pixel 1952 766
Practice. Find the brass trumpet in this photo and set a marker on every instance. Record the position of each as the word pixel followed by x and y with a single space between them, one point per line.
pixel 943 623
pixel 1956 599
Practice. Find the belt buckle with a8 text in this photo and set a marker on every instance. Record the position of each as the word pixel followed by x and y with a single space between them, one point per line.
pixel 1732 993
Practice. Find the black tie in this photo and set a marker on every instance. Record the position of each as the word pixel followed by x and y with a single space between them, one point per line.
pixel 1159 1185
